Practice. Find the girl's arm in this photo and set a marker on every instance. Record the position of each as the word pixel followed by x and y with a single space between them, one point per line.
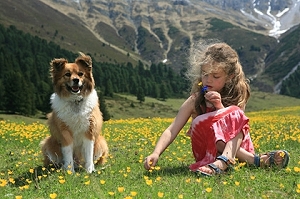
pixel 184 113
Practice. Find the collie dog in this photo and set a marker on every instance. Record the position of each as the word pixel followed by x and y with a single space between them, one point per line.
pixel 75 121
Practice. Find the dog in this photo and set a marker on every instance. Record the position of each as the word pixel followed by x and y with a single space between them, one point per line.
pixel 75 122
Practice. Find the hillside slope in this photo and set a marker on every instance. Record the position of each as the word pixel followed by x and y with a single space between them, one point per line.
pixel 154 31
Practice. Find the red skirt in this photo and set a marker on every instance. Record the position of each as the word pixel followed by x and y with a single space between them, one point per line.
pixel 209 128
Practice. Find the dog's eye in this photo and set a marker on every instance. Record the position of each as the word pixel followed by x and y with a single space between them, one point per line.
pixel 80 74
pixel 68 74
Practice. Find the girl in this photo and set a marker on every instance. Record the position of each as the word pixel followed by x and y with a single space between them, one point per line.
pixel 219 130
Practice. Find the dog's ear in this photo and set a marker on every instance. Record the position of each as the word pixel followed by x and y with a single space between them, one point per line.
pixel 84 60
pixel 57 64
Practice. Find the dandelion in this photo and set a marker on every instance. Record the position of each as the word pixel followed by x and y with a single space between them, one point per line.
pixel 297 169
pixel 121 189
pixel 288 169
pixel 18 197
pixel 198 180
pixel 149 182
pixel 180 196
pixel 87 182
pixel 252 177
pixel 208 189
pixel 160 194
pixel 188 180
pixel 26 186
pixel 133 193
pixel 237 183
pixel 31 170
pixel 62 181
pixel 53 195
pixel 11 180
pixel 3 183
pixel 281 185
pixel 111 193
pixel 102 181
pixel 224 183
pixel 69 172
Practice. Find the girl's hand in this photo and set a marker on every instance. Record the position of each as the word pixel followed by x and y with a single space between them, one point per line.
pixel 150 161
pixel 214 98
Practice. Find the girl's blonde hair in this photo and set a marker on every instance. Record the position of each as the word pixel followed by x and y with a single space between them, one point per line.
pixel 218 56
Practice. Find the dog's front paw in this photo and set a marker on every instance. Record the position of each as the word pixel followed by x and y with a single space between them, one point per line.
pixel 90 167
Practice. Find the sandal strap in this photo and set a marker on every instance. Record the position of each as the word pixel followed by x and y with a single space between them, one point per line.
pixel 216 169
pixel 257 160
pixel 226 160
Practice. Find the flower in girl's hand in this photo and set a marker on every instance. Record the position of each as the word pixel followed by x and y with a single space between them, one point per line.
pixel 204 89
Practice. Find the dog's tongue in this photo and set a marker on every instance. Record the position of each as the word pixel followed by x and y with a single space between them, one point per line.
pixel 75 88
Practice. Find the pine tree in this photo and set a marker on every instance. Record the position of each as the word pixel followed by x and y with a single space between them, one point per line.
pixel 140 94
pixel 103 108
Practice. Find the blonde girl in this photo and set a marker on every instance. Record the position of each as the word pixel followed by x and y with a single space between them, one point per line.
pixel 219 131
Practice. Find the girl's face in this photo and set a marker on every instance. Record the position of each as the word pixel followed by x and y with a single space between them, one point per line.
pixel 214 79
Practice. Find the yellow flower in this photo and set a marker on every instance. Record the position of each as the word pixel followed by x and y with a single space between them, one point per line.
pixel 282 154
pixel 208 189
pixel 149 182
pixel 160 194
pixel 102 181
pixel 133 193
pixel 281 185
pixel 18 197
pixel 111 193
pixel 297 169
pixel 200 84
pixel 69 172
pixel 31 170
pixel 180 196
pixel 237 183
pixel 188 180
pixel 252 177
pixel 121 189
pixel 53 195
pixel 62 181
pixel 87 182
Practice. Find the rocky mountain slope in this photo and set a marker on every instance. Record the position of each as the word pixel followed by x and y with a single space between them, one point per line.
pixel 158 30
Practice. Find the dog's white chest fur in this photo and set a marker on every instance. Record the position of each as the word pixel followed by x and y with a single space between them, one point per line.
pixel 75 111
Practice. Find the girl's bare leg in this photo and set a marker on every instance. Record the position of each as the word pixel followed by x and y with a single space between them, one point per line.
pixel 230 151
pixel 244 156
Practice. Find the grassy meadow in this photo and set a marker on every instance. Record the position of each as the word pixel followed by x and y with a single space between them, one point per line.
pixel 22 174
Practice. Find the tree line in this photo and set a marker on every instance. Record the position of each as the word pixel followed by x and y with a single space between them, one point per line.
pixel 25 84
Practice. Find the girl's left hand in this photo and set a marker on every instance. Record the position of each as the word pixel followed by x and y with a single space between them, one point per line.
pixel 214 98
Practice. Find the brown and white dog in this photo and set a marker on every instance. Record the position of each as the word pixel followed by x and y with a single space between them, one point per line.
pixel 75 122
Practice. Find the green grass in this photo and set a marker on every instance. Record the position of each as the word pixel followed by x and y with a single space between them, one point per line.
pixel 130 141
pixel 127 106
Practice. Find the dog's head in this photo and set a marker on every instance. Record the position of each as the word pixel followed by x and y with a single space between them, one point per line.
pixel 72 78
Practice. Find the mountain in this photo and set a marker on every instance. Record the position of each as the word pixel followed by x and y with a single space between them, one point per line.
pixel 163 30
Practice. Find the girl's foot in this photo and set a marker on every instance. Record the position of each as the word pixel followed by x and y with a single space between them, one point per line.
pixel 218 167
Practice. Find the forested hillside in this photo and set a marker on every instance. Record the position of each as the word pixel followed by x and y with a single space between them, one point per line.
pixel 25 84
